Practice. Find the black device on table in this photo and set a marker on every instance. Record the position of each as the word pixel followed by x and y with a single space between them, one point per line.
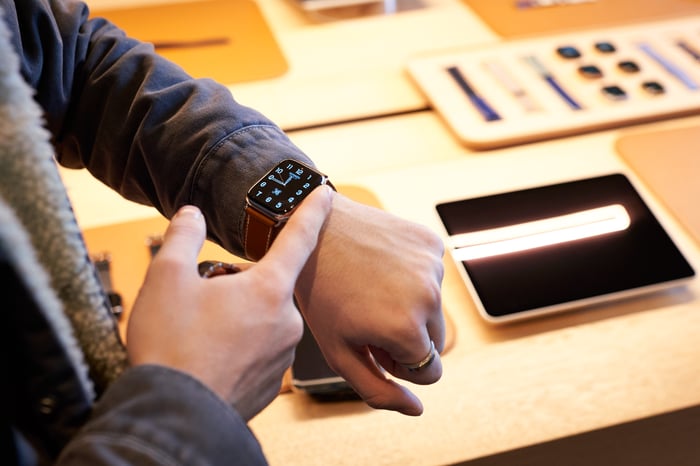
pixel 312 375
pixel 552 248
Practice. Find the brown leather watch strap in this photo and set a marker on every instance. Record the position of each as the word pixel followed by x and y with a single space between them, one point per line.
pixel 259 233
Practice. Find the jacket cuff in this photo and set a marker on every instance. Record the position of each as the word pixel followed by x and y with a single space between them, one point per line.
pixel 156 415
pixel 224 176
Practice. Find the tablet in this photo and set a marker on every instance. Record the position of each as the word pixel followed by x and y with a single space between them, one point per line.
pixel 558 247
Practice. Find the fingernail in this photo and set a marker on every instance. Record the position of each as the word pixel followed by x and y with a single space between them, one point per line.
pixel 189 210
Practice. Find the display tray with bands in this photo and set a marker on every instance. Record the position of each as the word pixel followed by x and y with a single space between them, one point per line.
pixel 532 89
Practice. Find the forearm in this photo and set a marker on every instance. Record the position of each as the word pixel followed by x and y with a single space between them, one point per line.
pixel 139 123
pixel 155 415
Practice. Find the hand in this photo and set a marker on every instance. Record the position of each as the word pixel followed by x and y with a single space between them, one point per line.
pixel 371 295
pixel 235 333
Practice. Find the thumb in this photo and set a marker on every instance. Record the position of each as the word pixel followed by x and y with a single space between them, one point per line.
pixel 299 237
pixel 184 237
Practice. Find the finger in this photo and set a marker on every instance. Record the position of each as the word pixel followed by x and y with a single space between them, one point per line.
pixel 298 239
pixel 415 356
pixel 436 330
pixel 430 370
pixel 362 373
pixel 184 237
pixel 436 319
pixel 424 371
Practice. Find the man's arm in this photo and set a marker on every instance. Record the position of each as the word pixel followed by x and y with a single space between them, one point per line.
pixel 372 289
pixel 156 415
pixel 198 346
pixel 140 123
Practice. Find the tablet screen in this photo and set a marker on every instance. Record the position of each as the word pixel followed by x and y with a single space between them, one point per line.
pixel 551 248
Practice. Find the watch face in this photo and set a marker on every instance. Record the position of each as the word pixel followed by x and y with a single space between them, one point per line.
pixel 284 187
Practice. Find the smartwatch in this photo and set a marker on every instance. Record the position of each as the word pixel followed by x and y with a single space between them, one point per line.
pixel 271 201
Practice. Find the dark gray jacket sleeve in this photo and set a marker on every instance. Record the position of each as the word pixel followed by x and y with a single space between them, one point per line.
pixel 157 416
pixel 139 123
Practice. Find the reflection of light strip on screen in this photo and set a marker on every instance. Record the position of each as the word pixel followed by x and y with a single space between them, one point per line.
pixel 540 233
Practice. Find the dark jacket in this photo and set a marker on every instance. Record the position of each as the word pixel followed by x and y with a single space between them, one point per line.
pixel 105 99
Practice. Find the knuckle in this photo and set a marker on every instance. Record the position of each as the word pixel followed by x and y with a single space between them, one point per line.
pixel 296 328
pixel 409 328
pixel 426 294
pixel 432 241
pixel 432 296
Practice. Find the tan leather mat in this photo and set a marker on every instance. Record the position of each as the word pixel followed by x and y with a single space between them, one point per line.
pixel 668 162
pixel 226 40
pixel 128 246
pixel 513 18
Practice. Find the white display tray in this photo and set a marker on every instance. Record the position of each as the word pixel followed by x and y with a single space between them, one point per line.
pixel 524 90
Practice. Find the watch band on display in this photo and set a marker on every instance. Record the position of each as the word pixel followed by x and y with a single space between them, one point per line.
pixel 271 201
pixel 103 263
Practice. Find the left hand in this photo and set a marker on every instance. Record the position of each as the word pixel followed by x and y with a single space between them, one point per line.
pixel 371 295
pixel 235 333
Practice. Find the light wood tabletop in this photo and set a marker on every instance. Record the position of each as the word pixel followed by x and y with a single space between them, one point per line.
pixel 347 102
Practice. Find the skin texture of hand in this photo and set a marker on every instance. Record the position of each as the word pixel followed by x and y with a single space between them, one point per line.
pixel 371 295
pixel 235 333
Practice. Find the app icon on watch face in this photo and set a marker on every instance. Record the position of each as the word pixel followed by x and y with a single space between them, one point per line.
pixel 284 187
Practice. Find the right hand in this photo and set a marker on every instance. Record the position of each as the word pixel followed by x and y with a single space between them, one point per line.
pixel 371 295
pixel 235 333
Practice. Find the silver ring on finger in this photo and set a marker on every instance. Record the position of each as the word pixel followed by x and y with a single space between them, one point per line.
pixel 425 362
